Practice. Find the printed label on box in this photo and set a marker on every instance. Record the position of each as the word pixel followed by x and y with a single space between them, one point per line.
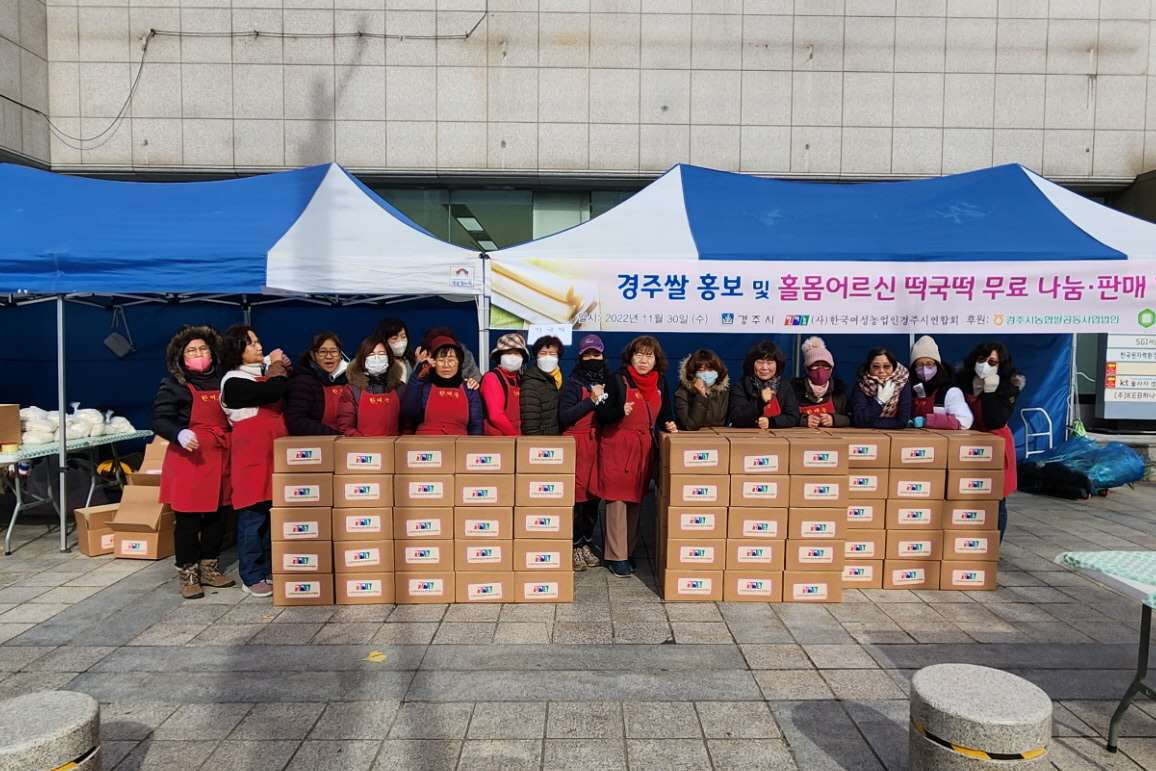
pixel 968 577
pixel 547 490
pixel 363 491
pixel 369 588
pixel 976 453
pixel 754 587
pixel 491 590
pixel 817 529
pixel 864 484
pixel 303 493
pixel 914 548
pixel 968 517
pixel 816 555
pixel 755 464
pixel 814 491
pixel 917 455
pixel 546 456
pixel 486 494
pixel 864 573
pixel 422 555
pixel 545 590
pixel 860 513
pixel 696 554
pixel 915 516
pixel 360 557
pixel 760 490
pixel 363 461
pixel 863 451
pixel 429 587
pixel 695 585
pixel 761 528
pixel 479 528
pixel 135 548
pixel 423 459
pixel 909 576
pixel 920 489
pixel 427 490
pixel 539 523
pixel 536 560
pixel 297 589
pixel 303 456
pixel 483 555
pixel 700 493
pixel 696 521
pixel 292 530
pixel 863 550
pixel 424 527
pixel 291 562
pixel 976 485
pixel 108 540
pixel 820 458
pixel 809 591
pixel 483 461
pixel 967 545
pixel 700 458
pixel 370 523
pixel 758 555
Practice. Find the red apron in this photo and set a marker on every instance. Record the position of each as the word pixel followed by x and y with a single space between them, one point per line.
pixel 1010 476
pixel 446 412
pixel 378 414
pixel 626 452
pixel 198 480
pixel 251 458
pixel 332 398
pixel 922 406
pixel 513 408
pixel 585 435
pixel 806 408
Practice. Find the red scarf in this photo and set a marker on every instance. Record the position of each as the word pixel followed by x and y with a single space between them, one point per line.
pixel 647 384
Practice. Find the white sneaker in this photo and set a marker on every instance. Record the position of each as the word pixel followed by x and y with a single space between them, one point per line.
pixel 259 589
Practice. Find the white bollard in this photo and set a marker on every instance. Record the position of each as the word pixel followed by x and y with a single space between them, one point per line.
pixel 50 730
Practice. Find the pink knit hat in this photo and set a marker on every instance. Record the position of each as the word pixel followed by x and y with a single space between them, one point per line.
pixel 814 349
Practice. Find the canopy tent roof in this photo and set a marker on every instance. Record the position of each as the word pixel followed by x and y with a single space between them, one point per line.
pixel 1003 213
pixel 310 231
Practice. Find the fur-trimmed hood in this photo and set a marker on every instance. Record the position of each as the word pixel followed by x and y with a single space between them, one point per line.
pixel 720 385
pixel 357 376
pixel 174 354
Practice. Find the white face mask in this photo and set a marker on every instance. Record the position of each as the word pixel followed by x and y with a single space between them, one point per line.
pixel 511 362
pixel 547 363
pixel 983 369
pixel 376 363
pixel 399 347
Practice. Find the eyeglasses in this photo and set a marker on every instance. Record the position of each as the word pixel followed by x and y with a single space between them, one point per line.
pixel 190 351
pixel 328 353
pixel 446 359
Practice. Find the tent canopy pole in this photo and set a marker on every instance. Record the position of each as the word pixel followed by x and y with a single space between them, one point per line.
pixel 62 494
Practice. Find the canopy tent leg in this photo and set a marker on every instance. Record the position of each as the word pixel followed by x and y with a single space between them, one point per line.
pixel 483 303
pixel 63 429
pixel 1073 392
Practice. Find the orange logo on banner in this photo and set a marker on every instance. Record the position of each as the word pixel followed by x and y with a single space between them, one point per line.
pixel 1111 368
pixel 1111 381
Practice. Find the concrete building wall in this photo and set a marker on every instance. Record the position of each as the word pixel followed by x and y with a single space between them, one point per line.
pixel 832 89
pixel 23 80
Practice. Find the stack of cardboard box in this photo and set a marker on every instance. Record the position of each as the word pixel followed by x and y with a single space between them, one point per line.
pixel 300 523
pixel 140 526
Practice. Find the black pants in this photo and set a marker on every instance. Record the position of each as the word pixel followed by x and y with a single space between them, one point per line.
pixel 585 520
pixel 198 536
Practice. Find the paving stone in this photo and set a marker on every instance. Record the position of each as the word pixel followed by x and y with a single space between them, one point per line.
pixel 587 632
pixel 364 614
pixel 191 612
pixel 661 720
pixel 355 720
pixel 526 613
pixel 278 721
pixel 822 736
pixel 885 726
pixel 286 634
pixel 792 684
pixel 21 683
pixel 418 755
pixel 644 633
pixel 861 684
pixel 405 634
pixel 347 634
pixel 778 656
pixel 522 633
pixel 737 720
pixel 1066 723
pixel 486 611
pixel 840 657
pixel 501 755
pixel 1098 713
pixel 430 720
pixel 697 633
pixel 227 634
pixel 166 633
pixel 288 659
pixel 450 633
pixel 404 613
pixel 165 756
pixel 15 658
pixel 508 720
pixel 112 753
pixel 305 614
pixel 552 686
pixel 32 613
pixel 750 755
pixel 248 755
pixel 1082 754
pixel 672 754
pixel 567 754
pixel 196 722
pixel 561 657
pixel 585 612
pixel 132 721
pixel 330 755
pixel 251 613
pixel 67 595
pixel 585 720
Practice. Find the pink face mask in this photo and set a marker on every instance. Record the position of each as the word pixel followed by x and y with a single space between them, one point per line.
pixel 199 364
pixel 819 376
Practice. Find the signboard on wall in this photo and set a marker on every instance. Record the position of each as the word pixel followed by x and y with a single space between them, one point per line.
pixel 1126 387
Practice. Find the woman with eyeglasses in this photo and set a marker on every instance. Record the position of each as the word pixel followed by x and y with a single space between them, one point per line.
pixel 251 394
pixel 436 399
pixel 195 476
pixel 315 388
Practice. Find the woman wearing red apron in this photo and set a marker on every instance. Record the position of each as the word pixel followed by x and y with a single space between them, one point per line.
pixel 315 388
pixel 822 399
pixel 251 395
pixel 992 386
pixel 935 401
pixel 502 386
pixel 436 399
pixel 761 398
pixel 636 406
pixel 195 476
pixel 371 401
pixel 580 394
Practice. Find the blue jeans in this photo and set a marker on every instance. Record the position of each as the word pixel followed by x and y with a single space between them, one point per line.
pixel 1002 517
pixel 254 551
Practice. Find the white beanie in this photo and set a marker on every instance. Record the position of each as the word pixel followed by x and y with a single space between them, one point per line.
pixel 925 347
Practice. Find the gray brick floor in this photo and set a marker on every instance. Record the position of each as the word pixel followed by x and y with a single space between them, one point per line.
pixel 618 680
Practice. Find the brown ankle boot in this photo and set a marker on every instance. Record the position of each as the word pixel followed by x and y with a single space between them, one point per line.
pixel 212 576
pixel 190 582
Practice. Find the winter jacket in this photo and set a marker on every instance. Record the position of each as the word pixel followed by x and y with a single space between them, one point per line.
pixel 416 396
pixel 305 400
pixel 866 412
pixel 572 405
pixel 242 395
pixel 693 410
pixel 841 418
pixel 359 380
pixel 540 396
pixel 613 409
pixel 173 404
pixel 746 404
pixel 996 408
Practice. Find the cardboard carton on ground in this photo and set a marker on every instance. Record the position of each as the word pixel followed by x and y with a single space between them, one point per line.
pixel 140 511
pixel 486 455
pixel 544 587
pixel 695 452
pixel 860 545
pixel 533 556
pixel 867 484
pixel 910 574
pixel 423 556
pixel 300 489
pixel 759 491
pixel 543 522
pixel 746 554
pixel 909 544
pixel 863 574
pixel 817 453
pixel 918 449
pixel 693 521
pixel 866 514
pixel 363 455
pixel 423 523
pixel 916 484
pixel 966 575
pixel 483 555
pixel 490 523
pixel 691 490
pixel 752 585
pixel 94 535
pixel 423 490
pixel 971 515
pixel 544 489
pixel 363 588
pixel 761 454
pixel 865 448
pixel 304 454
pixel 369 556
pixel 811 586
pixel 302 557
pixel 760 523
pixel 690 585
pixel 815 523
pixel 301 523
pixel 545 455
pixel 368 491
pixel 151 465
pixel 361 524
pixel 424 587
pixel 818 491
pixel 144 545
pixel 975 484
pixel 814 556
pixel 696 554
pixel 424 455
pixel 316 589
pixel 485 586
pixel 914 514
pixel 974 449
pixel 489 490
pixel 971 546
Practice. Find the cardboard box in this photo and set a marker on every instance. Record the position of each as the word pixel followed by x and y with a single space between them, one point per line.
pixel 424 587
pixel 814 556
pixel 94 535
pixel 860 545
pixel 363 491
pixel 867 484
pixel 971 515
pixel 362 524
pixel 757 491
pixel 435 490
pixel 483 556
pixel 374 556
pixel 543 522
pixel 489 586
pixel 745 554
pixel 304 454
pixel 695 452
pixel 758 454
pixel 10 432
pixel 151 465
pixel 764 524
pixel 910 574
pixel 752 586
pixel 863 574
pixel 968 576
pixel 914 545
pixel 975 484
pixel 477 490
pixel 818 491
pixel 294 557
pixel 147 479
pixel 690 585
pixel 917 484
pixel 437 524
pixel 363 455
pixel 811 586
pixel 363 588
pixel 865 448
pixel 976 546
pixel 303 590
pixel 918 449
pixel 691 490
pixel 866 515
pixel 301 523
pixel 817 453
pixel 424 455
pixel 143 545
pixel 810 524
pixel 486 455
pixel 299 489
pixel 485 524
pixel 914 515
pixel 542 555
pixel 140 511
pixel 693 521
pixel 423 556
pixel 544 587
pixel 974 449
pixel 545 455
pixel 544 489
pixel 696 554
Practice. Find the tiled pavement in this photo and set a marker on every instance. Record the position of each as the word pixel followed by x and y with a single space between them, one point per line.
pixel 617 680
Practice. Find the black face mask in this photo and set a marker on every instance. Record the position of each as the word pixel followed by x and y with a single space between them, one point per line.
pixel 593 369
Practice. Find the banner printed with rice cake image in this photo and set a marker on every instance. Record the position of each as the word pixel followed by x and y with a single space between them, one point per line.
pixel 523 293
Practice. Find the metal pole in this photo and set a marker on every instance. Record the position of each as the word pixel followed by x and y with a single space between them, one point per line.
pixel 483 302
pixel 1074 390
pixel 62 495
